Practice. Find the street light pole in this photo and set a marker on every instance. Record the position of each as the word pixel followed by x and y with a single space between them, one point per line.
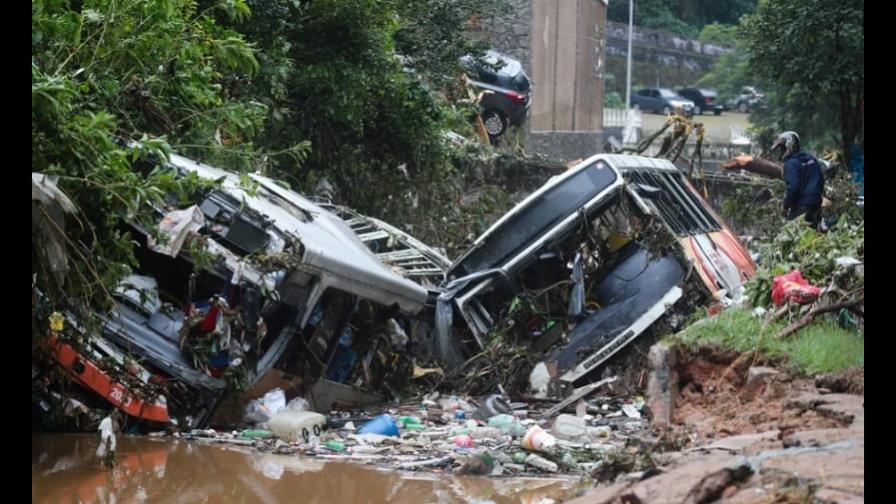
pixel 628 70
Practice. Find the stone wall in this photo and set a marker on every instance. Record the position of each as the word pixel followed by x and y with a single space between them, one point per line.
pixel 663 48
pixel 509 33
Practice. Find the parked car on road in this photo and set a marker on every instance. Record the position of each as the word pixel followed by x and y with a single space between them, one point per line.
pixel 748 99
pixel 661 100
pixel 705 100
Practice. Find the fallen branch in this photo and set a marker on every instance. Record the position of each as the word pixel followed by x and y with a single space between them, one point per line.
pixel 645 143
pixel 803 322
pixel 581 394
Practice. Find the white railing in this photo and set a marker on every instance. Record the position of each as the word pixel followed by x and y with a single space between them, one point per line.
pixel 740 136
pixel 629 120
pixel 616 118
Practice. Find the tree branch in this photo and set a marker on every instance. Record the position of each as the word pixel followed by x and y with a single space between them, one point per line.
pixel 803 322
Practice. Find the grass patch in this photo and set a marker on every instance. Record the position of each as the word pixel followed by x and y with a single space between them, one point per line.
pixel 822 347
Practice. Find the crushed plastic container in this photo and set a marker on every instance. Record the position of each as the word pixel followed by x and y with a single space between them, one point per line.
pixel 537 439
pixel 297 425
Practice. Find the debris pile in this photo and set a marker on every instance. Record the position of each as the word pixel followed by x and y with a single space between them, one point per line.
pixel 491 436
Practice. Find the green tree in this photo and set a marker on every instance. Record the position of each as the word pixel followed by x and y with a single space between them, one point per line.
pixel 107 72
pixel 362 82
pixel 719 34
pixel 813 52
pixel 433 34
pixel 686 17
pixel 732 70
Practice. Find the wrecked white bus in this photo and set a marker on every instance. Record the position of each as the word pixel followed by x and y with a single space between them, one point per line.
pixel 255 277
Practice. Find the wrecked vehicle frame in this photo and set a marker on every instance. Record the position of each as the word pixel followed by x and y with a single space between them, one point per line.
pixel 624 235
pixel 273 281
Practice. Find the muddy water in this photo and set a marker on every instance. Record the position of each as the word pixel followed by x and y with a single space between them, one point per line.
pixel 64 468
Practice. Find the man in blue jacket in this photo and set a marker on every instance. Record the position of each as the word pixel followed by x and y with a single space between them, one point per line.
pixel 804 179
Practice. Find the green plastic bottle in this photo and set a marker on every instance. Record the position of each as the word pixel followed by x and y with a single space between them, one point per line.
pixel 335 445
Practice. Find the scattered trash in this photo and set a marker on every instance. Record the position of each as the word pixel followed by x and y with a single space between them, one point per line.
pixel 493 405
pixel 411 423
pixel 463 441
pixel 539 379
pixel 297 426
pixel 262 409
pixel 298 404
pixel 370 438
pixel 479 464
pixel 486 433
pixel 541 463
pixel 420 372
pixel 580 393
pixel 631 411
pixel 175 227
pixel 256 434
pixel 335 446
pixel 537 439
pixel 383 425
pixel 508 424
pixel 576 429
pixel 848 261
pixel 793 287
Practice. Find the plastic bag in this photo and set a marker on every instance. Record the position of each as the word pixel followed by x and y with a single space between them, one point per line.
pixel 793 287
pixel 298 404
pixel 261 410
pixel 577 296
pixel 176 225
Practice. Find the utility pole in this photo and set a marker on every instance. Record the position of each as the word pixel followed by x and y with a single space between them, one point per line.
pixel 628 70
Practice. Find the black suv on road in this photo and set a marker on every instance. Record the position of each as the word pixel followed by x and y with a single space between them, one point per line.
pixel 704 100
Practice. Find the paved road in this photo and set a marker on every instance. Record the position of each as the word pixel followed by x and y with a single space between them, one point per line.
pixel 718 128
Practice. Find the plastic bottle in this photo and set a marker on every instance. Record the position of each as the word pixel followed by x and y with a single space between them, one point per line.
pixel 485 433
pixel 576 429
pixel 508 424
pixel 411 423
pixel 541 463
pixel 335 445
pixel 256 434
